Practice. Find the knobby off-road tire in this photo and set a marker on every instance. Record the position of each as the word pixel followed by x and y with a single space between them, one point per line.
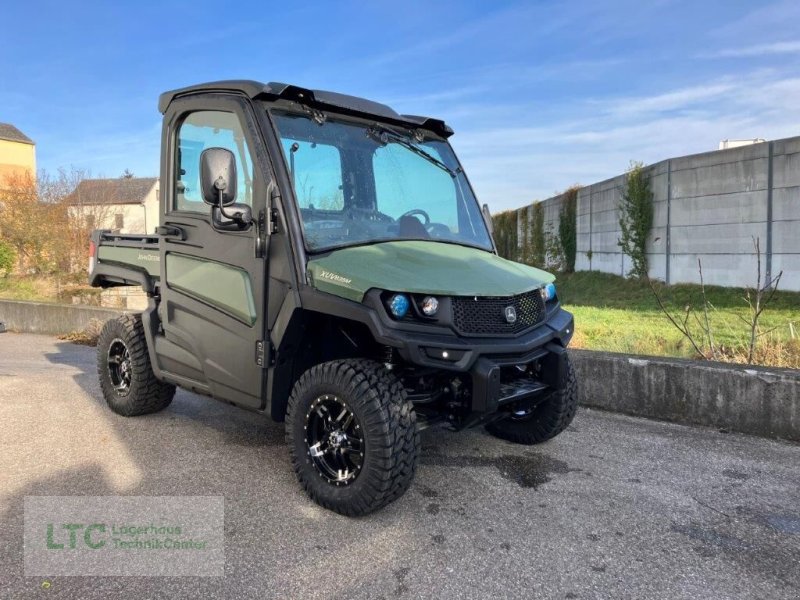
pixel 123 365
pixel 549 418
pixel 382 417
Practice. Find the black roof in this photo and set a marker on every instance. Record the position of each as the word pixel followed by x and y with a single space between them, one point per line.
pixel 12 134
pixel 313 98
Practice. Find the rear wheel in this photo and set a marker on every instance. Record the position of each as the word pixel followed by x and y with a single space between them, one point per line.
pixel 352 434
pixel 544 421
pixel 123 365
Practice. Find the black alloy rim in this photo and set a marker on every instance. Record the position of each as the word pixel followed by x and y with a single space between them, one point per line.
pixel 335 440
pixel 119 366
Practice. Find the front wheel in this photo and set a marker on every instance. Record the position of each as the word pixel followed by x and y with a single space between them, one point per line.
pixel 352 434
pixel 123 365
pixel 544 421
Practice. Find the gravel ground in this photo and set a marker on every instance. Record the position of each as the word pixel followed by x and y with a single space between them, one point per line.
pixel 615 507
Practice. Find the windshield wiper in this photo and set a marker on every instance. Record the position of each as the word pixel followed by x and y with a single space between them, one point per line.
pixel 383 136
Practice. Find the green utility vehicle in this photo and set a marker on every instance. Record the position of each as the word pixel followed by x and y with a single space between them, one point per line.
pixel 323 260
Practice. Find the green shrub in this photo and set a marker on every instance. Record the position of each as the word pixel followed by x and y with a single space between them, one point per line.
pixel 636 219
pixel 538 243
pixel 505 234
pixel 7 258
pixel 568 229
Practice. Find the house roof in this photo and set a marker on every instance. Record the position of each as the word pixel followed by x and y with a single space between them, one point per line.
pixel 12 134
pixel 132 190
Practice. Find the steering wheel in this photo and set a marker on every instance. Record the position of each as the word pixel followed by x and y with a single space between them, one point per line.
pixel 417 211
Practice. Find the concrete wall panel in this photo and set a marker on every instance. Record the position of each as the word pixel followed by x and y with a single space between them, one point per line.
pixel 605 241
pixel 786 204
pixel 786 170
pixel 731 270
pixel 583 222
pixel 790 280
pixel 606 200
pixel 787 146
pixel 607 220
pixel 717 239
pixel 719 157
pixel 742 207
pixel 607 262
pixel 785 238
pixel 726 178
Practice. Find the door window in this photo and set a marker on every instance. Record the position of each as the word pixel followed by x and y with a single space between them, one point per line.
pixel 210 129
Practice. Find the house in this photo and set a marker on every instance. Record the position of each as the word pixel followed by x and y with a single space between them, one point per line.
pixel 124 205
pixel 17 153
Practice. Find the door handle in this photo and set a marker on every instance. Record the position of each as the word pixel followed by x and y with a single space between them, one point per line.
pixel 171 232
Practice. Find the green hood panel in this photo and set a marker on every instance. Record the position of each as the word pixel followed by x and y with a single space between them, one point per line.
pixel 421 267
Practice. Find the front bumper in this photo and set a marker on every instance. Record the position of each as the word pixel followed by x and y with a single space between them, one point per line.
pixel 483 359
pixel 487 361
pixel 490 393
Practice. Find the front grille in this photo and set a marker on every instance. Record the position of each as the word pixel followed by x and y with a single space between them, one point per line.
pixel 487 315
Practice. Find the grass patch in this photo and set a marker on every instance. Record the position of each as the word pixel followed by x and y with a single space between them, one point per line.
pixel 621 315
pixel 39 288
pixel 16 287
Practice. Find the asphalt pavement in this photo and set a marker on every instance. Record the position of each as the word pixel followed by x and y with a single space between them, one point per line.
pixel 615 507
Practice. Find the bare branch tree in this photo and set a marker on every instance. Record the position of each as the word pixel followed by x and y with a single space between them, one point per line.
pixel 757 300
pixel 683 326
pixel 707 327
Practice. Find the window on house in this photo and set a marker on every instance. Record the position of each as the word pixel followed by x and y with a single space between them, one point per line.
pixel 90 221
pixel 119 221
pixel 210 129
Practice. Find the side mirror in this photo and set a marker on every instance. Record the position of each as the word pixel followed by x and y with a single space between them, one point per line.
pixel 487 216
pixel 218 176
pixel 218 184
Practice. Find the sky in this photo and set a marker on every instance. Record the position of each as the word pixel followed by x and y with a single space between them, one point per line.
pixel 541 95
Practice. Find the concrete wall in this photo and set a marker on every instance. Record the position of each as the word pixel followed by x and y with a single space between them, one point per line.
pixel 755 400
pixel 55 319
pixel 708 206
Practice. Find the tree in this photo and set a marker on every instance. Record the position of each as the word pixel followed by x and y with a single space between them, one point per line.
pixel 568 228
pixel 24 224
pixel 40 222
pixel 127 174
pixel 7 258
pixel 636 219
pixel 505 234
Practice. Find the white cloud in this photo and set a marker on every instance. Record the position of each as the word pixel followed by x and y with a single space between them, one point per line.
pixel 675 100
pixel 791 47
pixel 596 138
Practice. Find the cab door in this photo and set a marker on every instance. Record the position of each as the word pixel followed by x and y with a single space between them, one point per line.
pixel 213 291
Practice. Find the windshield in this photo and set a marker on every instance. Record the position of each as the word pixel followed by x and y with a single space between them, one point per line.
pixel 358 184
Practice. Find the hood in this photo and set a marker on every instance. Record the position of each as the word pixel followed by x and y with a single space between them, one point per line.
pixel 421 267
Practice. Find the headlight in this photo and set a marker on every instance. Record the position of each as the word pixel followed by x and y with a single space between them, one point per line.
pixel 429 306
pixel 549 292
pixel 398 305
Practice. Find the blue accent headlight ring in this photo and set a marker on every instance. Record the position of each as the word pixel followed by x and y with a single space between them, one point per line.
pixel 549 292
pixel 399 305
